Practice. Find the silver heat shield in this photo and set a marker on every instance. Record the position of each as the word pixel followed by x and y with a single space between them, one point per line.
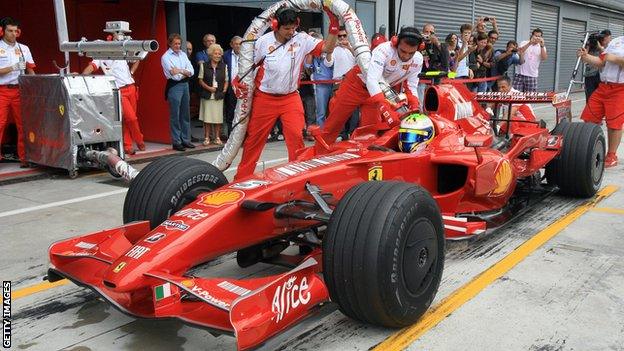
pixel 357 38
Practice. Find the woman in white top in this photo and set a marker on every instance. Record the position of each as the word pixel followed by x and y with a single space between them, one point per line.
pixel 213 79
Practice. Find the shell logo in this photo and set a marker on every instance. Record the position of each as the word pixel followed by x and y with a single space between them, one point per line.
pixel 221 197
pixel 393 62
pixel 503 177
pixel 188 283
pixel 31 137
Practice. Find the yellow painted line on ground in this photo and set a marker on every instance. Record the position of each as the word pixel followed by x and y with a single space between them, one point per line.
pixel 608 210
pixel 403 338
pixel 37 288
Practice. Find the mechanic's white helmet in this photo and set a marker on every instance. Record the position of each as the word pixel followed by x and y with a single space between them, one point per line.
pixel 415 133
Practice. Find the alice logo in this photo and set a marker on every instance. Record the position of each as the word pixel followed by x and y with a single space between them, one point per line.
pixel 289 296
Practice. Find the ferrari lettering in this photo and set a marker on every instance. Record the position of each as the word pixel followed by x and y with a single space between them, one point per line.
pixel 209 298
pixel 192 213
pixel 289 296
pixel 137 251
pixel 300 167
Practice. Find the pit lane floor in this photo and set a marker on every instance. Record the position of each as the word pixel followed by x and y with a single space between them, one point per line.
pixel 565 295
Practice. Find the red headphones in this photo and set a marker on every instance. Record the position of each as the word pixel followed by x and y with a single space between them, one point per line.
pixel 275 23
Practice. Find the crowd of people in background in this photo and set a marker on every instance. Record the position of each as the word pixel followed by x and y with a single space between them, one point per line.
pixel 207 77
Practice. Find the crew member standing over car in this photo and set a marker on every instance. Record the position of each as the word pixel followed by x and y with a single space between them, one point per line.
pixel 280 55
pixel 15 59
pixel 398 63
pixel 129 96
pixel 606 100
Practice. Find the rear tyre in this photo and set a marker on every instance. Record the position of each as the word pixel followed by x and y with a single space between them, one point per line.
pixel 166 185
pixel 383 253
pixel 579 168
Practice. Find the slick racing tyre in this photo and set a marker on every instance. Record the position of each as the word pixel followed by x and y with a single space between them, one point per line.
pixel 579 168
pixel 383 253
pixel 166 185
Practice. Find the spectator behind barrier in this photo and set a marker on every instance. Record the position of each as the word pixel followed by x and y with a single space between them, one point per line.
pixel 532 52
pixel 435 56
pixel 504 59
pixel 466 47
pixel 451 44
pixel 482 62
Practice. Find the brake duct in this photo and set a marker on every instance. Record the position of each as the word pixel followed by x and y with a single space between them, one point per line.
pixel 355 34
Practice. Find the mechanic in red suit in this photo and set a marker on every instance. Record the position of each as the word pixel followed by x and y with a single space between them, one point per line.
pixel 129 97
pixel 15 59
pixel 280 56
pixel 606 101
pixel 397 62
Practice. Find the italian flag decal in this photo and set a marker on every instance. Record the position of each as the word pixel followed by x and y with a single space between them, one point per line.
pixel 162 291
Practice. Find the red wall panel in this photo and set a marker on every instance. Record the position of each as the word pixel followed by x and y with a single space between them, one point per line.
pixel 86 18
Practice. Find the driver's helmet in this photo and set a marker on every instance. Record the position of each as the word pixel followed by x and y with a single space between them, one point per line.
pixel 415 133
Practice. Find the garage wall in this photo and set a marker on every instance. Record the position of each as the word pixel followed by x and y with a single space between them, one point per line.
pixel 546 17
pixel 570 41
pixel 506 13
pixel 447 15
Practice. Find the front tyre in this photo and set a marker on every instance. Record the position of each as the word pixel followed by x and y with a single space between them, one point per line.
pixel 383 253
pixel 579 168
pixel 166 185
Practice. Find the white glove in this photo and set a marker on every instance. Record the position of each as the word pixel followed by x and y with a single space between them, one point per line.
pixel 20 66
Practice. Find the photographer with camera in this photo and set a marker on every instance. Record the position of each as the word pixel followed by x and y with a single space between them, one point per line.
pixel 503 59
pixel 435 55
pixel 606 102
pixel 596 44
pixel 532 53
pixel 480 25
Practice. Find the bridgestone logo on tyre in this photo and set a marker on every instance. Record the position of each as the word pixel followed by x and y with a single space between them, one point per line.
pixel 190 182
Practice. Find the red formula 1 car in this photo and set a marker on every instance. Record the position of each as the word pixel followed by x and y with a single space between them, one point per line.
pixel 370 221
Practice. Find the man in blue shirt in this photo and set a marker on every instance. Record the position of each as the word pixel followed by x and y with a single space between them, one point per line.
pixel 202 56
pixel 503 59
pixel 177 69
pixel 322 92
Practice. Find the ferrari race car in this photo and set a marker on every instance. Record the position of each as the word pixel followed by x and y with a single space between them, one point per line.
pixel 357 222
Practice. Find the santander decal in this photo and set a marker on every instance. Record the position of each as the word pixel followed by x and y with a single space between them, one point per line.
pixel 289 296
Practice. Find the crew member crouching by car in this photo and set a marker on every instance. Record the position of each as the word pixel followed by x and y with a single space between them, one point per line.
pixel 398 63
